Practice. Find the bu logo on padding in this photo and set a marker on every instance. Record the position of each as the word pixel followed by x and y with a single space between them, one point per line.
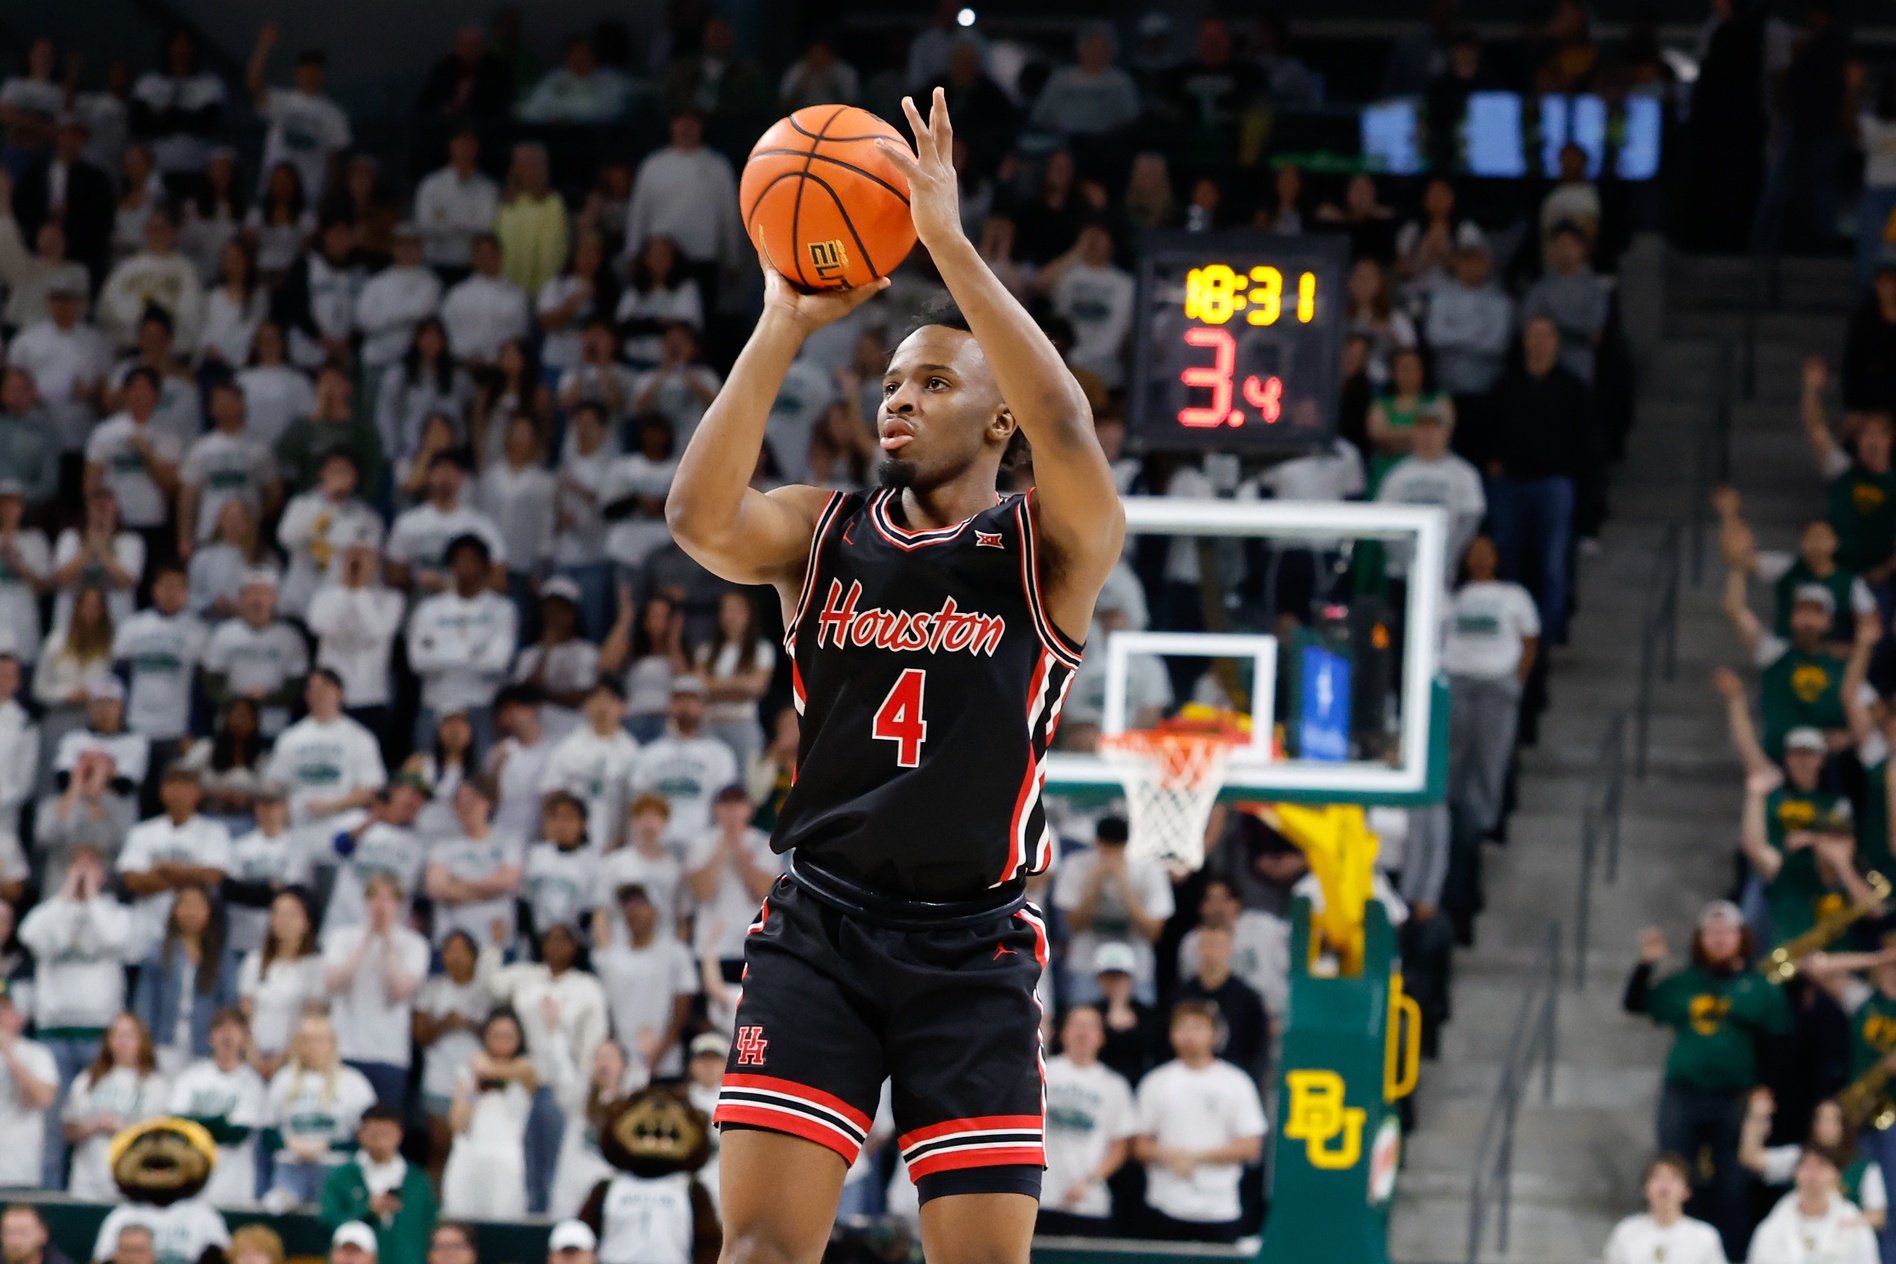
pixel 1332 1133
pixel 827 260
pixel 751 1045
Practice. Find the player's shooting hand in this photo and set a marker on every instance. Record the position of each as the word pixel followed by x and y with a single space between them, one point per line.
pixel 934 190
pixel 810 312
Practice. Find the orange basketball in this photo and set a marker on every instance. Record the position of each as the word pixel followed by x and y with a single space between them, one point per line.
pixel 822 202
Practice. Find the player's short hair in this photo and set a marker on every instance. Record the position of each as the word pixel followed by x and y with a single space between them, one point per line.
pixel 943 311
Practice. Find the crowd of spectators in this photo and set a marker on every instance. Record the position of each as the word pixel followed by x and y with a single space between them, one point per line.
pixel 377 777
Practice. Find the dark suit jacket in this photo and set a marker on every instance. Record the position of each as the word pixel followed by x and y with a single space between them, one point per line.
pixel 90 207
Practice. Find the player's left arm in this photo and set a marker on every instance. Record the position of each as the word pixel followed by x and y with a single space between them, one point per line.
pixel 1080 518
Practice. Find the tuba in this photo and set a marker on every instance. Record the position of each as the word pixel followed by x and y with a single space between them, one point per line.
pixel 1780 964
pixel 1866 1099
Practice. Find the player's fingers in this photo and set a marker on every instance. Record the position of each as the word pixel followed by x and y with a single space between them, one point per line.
pixel 943 129
pixel 900 156
pixel 923 139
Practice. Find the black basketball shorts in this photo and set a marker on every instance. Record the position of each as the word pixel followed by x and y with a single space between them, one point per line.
pixel 834 1003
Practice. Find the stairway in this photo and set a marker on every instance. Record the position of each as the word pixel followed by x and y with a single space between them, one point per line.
pixel 1577 1158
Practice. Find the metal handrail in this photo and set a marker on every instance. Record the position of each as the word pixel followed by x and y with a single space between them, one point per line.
pixel 1659 629
pixel 1599 830
pixel 1535 1041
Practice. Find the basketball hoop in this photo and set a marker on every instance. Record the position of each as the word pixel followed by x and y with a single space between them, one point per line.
pixel 1172 776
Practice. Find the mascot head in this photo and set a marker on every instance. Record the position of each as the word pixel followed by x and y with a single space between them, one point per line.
pixel 162 1161
pixel 655 1132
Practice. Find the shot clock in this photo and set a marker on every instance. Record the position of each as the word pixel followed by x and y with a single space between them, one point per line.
pixel 1236 340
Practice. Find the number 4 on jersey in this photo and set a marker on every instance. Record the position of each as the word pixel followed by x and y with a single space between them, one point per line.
pixel 899 718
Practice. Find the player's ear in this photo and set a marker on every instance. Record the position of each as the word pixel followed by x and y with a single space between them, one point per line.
pixel 1002 427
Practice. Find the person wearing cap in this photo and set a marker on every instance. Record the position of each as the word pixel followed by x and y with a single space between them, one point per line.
pixel 1861 496
pixel 320 526
pixel 1133 1032
pixel 687 765
pixel 1816 563
pixel 704 1078
pixel 380 1196
pixel 81 940
pixel 1800 845
pixel 1108 897
pixel 396 300
pixel 1802 675
pixel 29 1086
pixel 257 655
pixel 1433 475
pixel 353 1242
pixel 228 463
pixel 649 978
pixel 29 447
pixel 571 1242
pixel 162 646
pixel 418 542
pixel 1719 1008
pixel 596 762
pixel 1470 323
pixel 729 869
pixel 460 643
pixel 562 665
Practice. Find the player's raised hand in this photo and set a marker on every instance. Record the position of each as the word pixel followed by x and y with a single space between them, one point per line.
pixel 811 311
pixel 934 189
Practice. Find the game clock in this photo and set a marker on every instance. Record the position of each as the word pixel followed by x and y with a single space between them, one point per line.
pixel 1237 337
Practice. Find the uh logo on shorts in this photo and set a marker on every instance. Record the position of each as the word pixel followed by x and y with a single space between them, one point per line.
pixel 750 1045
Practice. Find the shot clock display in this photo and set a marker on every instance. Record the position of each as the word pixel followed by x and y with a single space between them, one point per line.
pixel 1236 340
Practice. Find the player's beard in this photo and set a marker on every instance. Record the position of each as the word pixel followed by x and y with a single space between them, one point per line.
pixel 894 474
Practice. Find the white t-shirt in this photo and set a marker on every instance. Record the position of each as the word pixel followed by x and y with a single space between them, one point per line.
pixel 1483 629
pixel 252 658
pixel 1780 1168
pixel 23 1126
pixel 355 638
pixel 561 886
pixel 726 667
pixel 261 857
pixel 802 401
pixel 19 604
pixel 226 467
pixel 280 995
pixel 1112 922
pixel 381 848
pixel 141 502
pixel 688 772
pixel 632 539
pixel 1201 1109
pixel 323 761
pixel 179 1233
pixel 239 1098
pixel 311 1104
pixel 1088 1108
pixel 316 532
pixel 580 533
pixel 439 997
pixel 199 841
pixel 641 986
pixel 420 536
pixel 371 1025
pixel 1097 302
pixel 1451 483
pixel 662 876
pixel 517 782
pixel 1332 473
pixel 600 771
pixel 1840 1236
pixel 460 647
pixel 723 920
pixel 647 1221
pixel 121 1092
pixel 274 396
pixel 476 858
pixel 128 550
pixel 163 651
pixel 304 131
pixel 520 504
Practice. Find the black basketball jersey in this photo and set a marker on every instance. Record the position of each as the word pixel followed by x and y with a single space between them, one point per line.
pixel 929 680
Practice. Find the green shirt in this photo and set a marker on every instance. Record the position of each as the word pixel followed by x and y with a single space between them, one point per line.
pixel 1718 1018
pixel 29 454
pixel 1798 896
pixel 403 1240
pixel 1872 831
pixel 1872 1032
pixel 1838 582
pixel 1801 687
pixel 1862 508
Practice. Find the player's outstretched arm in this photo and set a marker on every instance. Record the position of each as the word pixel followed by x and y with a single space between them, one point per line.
pixel 1079 510
pixel 729 527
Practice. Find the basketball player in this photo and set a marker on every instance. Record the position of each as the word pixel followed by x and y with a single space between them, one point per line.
pixel 934 627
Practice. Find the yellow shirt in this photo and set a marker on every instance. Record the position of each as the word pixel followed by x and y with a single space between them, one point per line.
pixel 533 241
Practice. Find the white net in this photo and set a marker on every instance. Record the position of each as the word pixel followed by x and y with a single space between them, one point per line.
pixel 1172 780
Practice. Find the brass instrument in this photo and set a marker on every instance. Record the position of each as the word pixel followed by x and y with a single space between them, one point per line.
pixel 1780 965
pixel 1866 1099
